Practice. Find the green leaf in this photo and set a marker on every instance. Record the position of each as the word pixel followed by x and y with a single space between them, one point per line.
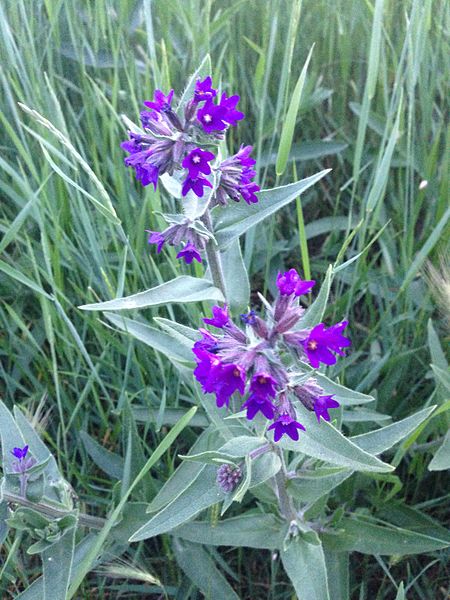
pixel 91 555
pixel 382 439
pixel 171 416
pixel 306 151
pixel 325 442
pixel 107 461
pixel 202 71
pixel 360 535
pixel 237 285
pixel 23 279
pixel 36 590
pixel 315 312
pixel 10 436
pixel 337 565
pixel 346 396
pixel 187 472
pixel 441 460
pixel 182 289
pixel 199 567
pixel 160 341
pixel 305 566
pixel 248 530
pixel 233 221
pixel 238 447
pixel 309 487
pixel 200 494
pixel 408 517
pixel 290 121
pixel 57 566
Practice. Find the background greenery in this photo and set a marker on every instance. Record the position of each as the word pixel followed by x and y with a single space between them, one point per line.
pixel 72 222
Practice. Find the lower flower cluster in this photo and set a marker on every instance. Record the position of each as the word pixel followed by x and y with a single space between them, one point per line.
pixel 252 360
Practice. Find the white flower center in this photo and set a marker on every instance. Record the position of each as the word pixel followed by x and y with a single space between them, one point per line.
pixel 207 118
pixel 196 159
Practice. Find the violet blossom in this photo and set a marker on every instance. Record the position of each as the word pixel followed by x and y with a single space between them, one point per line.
pixel 252 361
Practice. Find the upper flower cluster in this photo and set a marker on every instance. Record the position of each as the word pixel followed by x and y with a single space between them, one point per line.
pixel 186 148
pixel 251 361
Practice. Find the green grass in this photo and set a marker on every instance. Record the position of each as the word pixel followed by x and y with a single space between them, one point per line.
pixel 72 226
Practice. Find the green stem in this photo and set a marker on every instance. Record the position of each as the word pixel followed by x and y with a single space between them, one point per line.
pixel 213 256
pixel 284 500
pixel 52 511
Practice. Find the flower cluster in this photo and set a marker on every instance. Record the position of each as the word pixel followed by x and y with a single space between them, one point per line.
pixel 251 361
pixel 182 143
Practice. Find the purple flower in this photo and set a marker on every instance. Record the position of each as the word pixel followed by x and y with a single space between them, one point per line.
pixel 321 343
pixel 228 477
pixel 229 378
pixel 249 318
pixel 321 406
pixel 160 101
pixel 290 283
pixel 248 192
pixel 196 162
pixel 232 115
pixel 206 363
pixel 263 385
pixel 212 117
pixel 286 425
pixel 208 342
pixel 155 237
pixel 189 253
pixel 236 174
pixel 196 185
pixel 220 317
pixel 204 90
pixel 20 453
pixel 255 404
pixel 218 377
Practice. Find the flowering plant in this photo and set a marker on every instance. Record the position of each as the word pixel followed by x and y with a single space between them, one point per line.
pixel 270 418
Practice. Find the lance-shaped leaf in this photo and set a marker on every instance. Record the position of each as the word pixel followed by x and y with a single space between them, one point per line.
pixel 202 493
pixel 198 565
pixel 325 442
pixel 305 566
pixel 159 340
pixel 248 530
pixel 309 487
pixel 360 535
pixel 441 460
pixel 181 289
pixel 235 274
pixel 382 439
pixel 57 566
pixel 234 220
pixel 315 312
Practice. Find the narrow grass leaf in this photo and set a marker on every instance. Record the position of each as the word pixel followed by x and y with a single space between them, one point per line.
pixel 287 132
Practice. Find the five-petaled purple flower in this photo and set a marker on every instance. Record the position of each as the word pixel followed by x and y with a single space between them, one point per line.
pixel 204 90
pixel 286 425
pixel 290 283
pixel 196 185
pixel 196 162
pixel 189 253
pixel 321 343
pixel 255 404
pixel 321 406
pixel 160 101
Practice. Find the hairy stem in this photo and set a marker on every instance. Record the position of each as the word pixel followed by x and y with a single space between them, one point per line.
pixel 213 256
pixel 284 501
pixel 51 511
